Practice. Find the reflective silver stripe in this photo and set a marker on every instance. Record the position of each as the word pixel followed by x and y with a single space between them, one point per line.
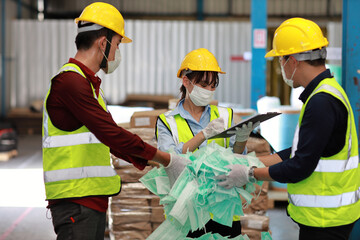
pixel 338 93
pixel 103 98
pixel 173 127
pixel 337 165
pixel 74 69
pixel 70 68
pixel 69 140
pixel 45 120
pixel 223 112
pixel 78 173
pixel 296 135
pixel 334 201
pixel 73 139
pixel 295 140
pixel 86 28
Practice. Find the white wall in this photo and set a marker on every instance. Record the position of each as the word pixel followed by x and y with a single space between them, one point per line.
pixel 149 65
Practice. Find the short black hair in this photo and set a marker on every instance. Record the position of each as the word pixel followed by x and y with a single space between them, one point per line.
pixel 85 40
pixel 197 77
pixel 316 62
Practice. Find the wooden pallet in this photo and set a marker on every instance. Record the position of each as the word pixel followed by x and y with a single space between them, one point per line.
pixel 5 156
pixel 276 196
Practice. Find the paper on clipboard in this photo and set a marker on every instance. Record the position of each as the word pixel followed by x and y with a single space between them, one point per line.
pixel 256 118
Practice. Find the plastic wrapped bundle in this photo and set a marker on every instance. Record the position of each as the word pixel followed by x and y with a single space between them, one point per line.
pixel 195 194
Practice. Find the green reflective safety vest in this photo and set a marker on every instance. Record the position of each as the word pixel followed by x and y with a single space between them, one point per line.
pixel 173 123
pixel 76 163
pixel 330 196
pixel 176 122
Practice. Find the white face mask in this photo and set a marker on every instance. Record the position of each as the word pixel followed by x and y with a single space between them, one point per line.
pixel 290 81
pixel 201 96
pixel 112 65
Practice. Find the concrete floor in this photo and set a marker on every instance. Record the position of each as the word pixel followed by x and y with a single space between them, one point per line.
pixel 23 213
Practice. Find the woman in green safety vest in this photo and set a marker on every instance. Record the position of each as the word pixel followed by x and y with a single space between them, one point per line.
pixel 189 126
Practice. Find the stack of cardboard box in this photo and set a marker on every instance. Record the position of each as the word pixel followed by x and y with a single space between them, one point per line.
pixel 135 213
pixel 255 221
pixel 145 119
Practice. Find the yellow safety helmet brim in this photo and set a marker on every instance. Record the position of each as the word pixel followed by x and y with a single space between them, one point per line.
pixel 105 15
pixel 199 60
pixel 296 35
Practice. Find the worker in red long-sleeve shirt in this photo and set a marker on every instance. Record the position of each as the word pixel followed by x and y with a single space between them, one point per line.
pixel 79 133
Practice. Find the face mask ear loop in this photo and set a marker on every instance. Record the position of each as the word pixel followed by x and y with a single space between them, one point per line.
pixel 293 74
pixel 245 205
pixel 294 71
pixel 286 62
pixel 109 36
pixel 256 197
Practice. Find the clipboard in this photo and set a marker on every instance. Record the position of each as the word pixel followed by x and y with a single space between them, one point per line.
pixel 256 118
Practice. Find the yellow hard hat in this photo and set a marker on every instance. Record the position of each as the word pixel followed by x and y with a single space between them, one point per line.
pixel 296 35
pixel 105 15
pixel 199 60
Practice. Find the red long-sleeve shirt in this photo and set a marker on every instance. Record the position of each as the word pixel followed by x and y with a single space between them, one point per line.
pixel 71 104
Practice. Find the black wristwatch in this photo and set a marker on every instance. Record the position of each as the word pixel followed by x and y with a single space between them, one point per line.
pixel 252 178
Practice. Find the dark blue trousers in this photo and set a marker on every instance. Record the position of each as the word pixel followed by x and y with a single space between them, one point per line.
pixel 328 233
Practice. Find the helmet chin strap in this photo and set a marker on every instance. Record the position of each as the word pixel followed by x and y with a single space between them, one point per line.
pixel 109 36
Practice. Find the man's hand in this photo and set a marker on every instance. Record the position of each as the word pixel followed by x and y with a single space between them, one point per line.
pixel 243 132
pixel 237 177
pixel 214 127
pixel 175 167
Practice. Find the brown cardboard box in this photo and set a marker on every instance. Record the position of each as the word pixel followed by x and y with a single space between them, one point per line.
pixel 254 221
pixel 260 202
pixel 130 217
pixel 252 234
pixel 26 121
pixel 157 214
pixel 139 226
pixel 145 119
pixel 130 174
pixel 258 205
pixel 258 145
pixel 240 115
pixel 132 189
pixel 148 136
pixel 128 203
pixel 147 100
pixel 130 235
pixel 155 201
pixel 155 226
